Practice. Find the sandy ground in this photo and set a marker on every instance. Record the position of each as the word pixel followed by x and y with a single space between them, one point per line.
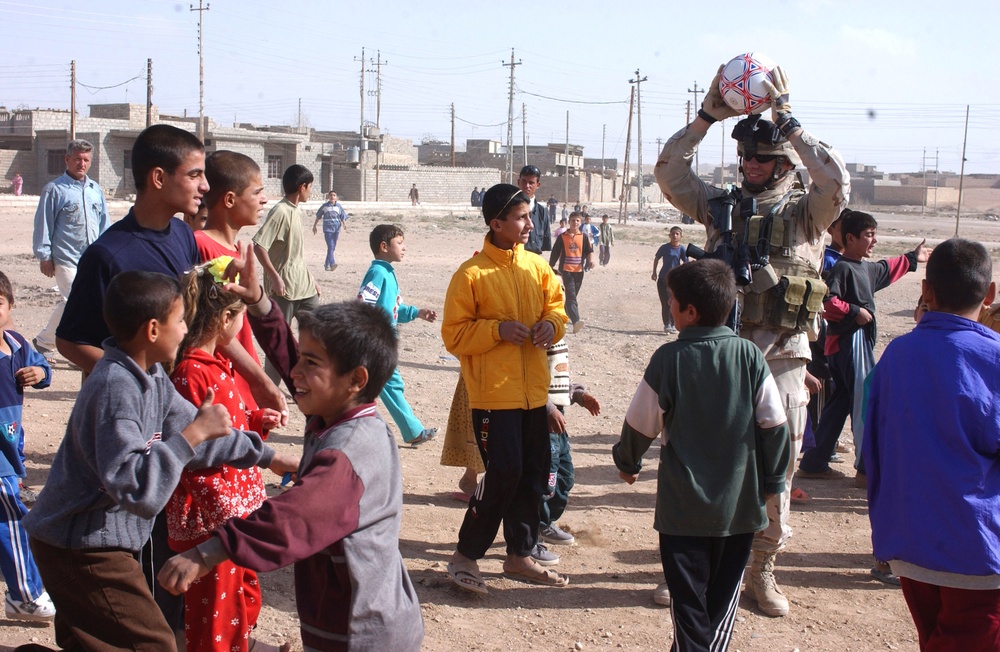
pixel 835 604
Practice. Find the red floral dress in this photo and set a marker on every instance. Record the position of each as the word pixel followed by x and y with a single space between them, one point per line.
pixel 220 609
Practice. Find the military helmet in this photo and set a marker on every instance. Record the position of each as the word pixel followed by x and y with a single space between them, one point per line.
pixel 756 135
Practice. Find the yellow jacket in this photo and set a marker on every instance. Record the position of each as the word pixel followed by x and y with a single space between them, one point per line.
pixel 494 286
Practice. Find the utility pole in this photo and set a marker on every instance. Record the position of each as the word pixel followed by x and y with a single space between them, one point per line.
pixel 149 92
pixel 72 100
pixel 961 173
pixel 923 167
pixel 299 121
pixel 659 148
pixel 623 200
pixel 566 154
pixel 936 182
pixel 722 170
pixel 695 91
pixel 510 119
pixel 524 132
pixel 453 135
pixel 202 8
pixel 638 131
pixel 378 116
pixel 604 135
pixel 363 145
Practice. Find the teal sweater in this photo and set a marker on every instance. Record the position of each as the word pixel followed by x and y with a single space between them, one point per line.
pixel 724 439
pixel 380 287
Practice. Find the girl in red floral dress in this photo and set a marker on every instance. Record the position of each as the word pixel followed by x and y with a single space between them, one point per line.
pixel 221 609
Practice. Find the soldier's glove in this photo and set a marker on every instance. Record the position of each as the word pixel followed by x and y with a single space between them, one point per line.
pixel 781 109
pixel 714 108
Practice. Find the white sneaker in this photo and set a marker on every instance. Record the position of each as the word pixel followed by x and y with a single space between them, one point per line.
pixel 578 326
pixel 40 609
pixel 662 595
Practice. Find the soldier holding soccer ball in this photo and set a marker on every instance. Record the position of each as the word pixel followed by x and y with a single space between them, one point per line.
pixel 783 226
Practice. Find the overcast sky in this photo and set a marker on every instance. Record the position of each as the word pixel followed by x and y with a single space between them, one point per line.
pixel 880 81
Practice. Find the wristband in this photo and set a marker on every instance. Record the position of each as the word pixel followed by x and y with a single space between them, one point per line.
pixel 787 124
pixel 706 117
pixel 259 299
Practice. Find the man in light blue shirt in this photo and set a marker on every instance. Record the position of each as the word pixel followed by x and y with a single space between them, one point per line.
pixel 71 214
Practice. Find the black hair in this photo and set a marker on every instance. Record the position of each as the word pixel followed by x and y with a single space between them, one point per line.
pixel 676 228
pixel 355 334
pixel 294 177
pixel 959 271
pixel 6 289
pixel 161 146
pixel 708 285
pixel 530 171
pixel 499 199
pixel 854 222
pixel 228 171
pixel 134 298
pixel 383 233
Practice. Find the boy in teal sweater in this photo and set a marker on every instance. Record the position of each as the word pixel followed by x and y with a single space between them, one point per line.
pixel 380 287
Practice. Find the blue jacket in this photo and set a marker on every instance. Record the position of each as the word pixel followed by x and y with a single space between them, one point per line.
pixel 12 399
pixel 380 287
pixel 932 448
pixel 70 216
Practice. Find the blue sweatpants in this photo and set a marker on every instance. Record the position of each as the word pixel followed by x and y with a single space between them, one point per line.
pixel 392 396
pixel 16 563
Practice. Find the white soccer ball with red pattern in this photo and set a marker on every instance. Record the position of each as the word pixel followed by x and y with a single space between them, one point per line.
pixel 741 83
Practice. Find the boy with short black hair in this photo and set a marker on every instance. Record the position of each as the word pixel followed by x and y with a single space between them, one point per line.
pixel 850 337
pixel 20 367
pixel 129 436
pixel 503 309
pixel 380 287
pixel 723 451
pixel 673 255
pixel 932 435
pixel 351 585
pixel 278 246
pixel 235 199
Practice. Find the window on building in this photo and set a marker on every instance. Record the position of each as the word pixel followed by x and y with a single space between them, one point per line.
pixel 55 161
pixel 274 167
pixel 128 159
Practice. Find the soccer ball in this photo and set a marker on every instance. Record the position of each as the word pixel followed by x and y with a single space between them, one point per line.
pixel 741 85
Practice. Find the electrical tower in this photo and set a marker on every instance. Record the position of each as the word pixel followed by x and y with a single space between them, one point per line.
pixel 638 131
pixel 202 8
pixel 510 119
pixel 695 91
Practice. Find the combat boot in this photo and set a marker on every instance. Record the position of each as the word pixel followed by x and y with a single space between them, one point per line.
pixel 763 588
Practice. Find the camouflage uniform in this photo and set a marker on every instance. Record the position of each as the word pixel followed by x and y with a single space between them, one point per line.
pixel 806 218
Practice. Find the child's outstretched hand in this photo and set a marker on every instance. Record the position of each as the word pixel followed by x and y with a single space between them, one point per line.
pixel 513 331
pixel 923 252
pixel 628 477
pixel 181 570
pixel 591 403
pixel 211 422
pixel 28 376
pixel 427 315
pixel 284 463
pixel 542 334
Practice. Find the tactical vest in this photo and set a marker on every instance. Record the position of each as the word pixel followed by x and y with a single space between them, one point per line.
pixel 787 294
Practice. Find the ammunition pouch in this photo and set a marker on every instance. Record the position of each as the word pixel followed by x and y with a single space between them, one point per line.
pixel 793 305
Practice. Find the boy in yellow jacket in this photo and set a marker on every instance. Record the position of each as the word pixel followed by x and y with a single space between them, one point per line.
pixel 503 309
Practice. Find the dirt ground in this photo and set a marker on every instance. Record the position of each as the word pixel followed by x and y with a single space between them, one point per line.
pixel 836 606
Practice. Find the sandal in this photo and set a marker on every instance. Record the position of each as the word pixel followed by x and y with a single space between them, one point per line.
pixel 468 578
pixel 799 497
pixel 883 573
pixel 425 436
pixel 535 574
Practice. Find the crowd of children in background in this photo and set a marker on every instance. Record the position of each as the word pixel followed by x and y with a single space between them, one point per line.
pixel 179 454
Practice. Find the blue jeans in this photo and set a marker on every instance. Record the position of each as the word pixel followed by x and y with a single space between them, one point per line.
pixel 561 478
pixel 331 246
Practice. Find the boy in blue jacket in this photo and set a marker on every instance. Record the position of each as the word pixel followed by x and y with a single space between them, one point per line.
pixel 20 367
pixel 931 444
pixel 380 287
